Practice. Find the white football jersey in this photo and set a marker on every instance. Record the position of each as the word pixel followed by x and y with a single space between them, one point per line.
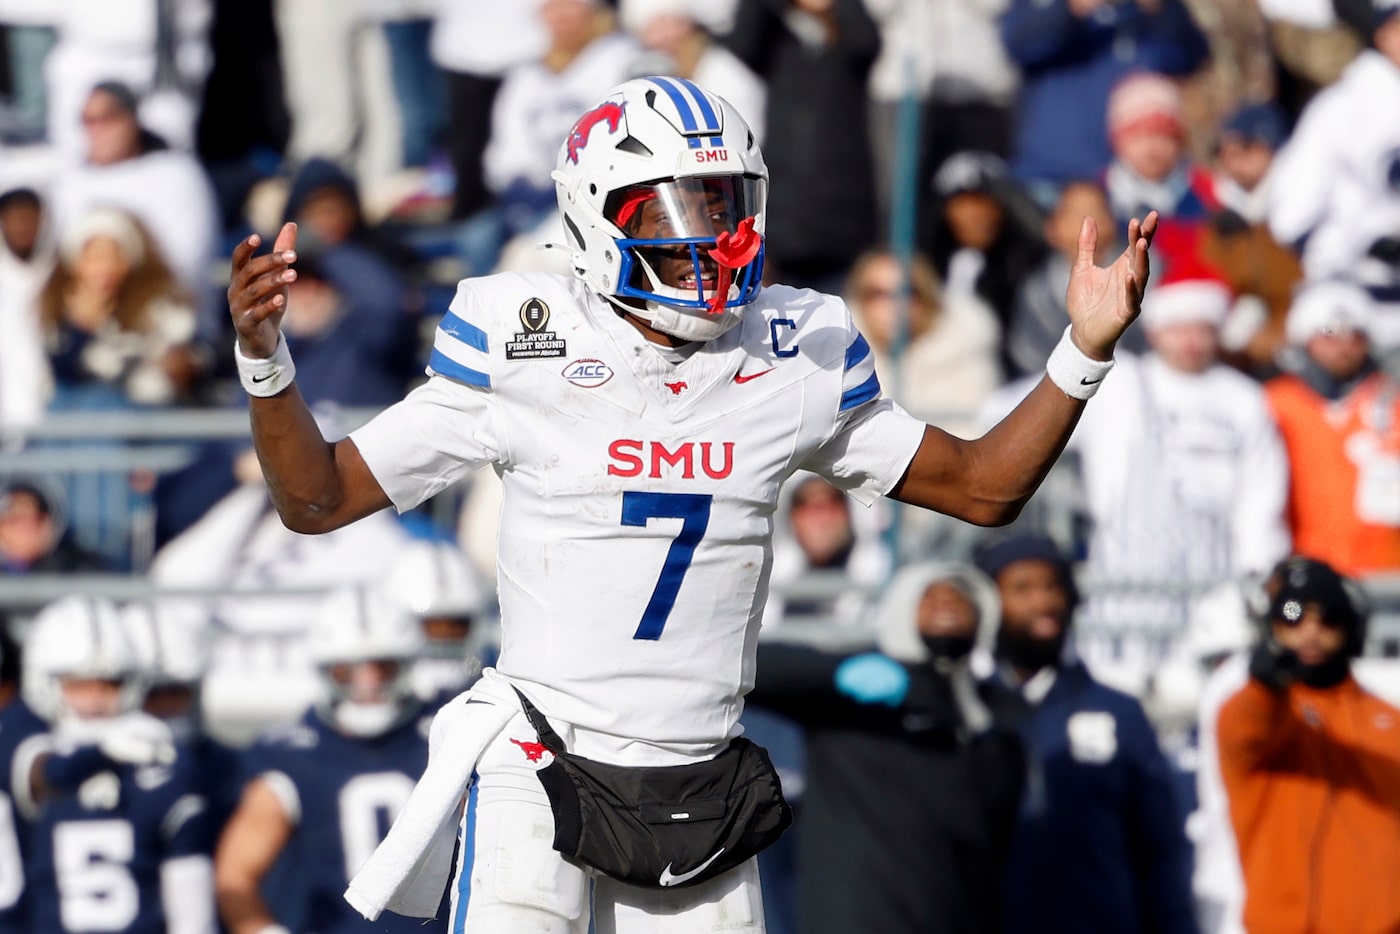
pixel 639 493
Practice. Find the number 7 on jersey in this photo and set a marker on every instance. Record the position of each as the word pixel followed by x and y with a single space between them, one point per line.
pixel 693 509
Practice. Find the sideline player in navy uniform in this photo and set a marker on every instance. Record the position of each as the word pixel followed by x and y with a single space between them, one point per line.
pixel 643 415
pixel 324 790
pixel 119 841
pixel 18 724
pixel 173 645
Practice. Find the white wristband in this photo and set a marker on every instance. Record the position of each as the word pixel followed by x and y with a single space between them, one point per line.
pixel 267 376
pixel 1076 375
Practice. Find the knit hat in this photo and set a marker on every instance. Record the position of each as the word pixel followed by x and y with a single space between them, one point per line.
pixel 1190 291
pixel 104 222
pixel 1306 580
pixel 996 555
pixel 635 14
pixel 315 175
pixel 969 171
pixel 1256 123
pixel 1328 307
pixel 1145 102
pixel 714 15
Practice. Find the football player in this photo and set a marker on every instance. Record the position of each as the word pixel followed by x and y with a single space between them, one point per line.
pixel 18 725
pixel 172 644
pixel 435 582
pixel 118 839
pixel 324 790
pixel 643 415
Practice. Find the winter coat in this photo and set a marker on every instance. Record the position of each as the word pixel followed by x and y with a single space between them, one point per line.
pixel 907 810
pixel 1313 781
pixel 1100 844
pixel 1068 67
pixel 821 197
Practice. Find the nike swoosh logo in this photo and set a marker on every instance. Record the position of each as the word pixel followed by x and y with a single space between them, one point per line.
pixel 1089 382
pixel 669 880
pixel 741 379
pixel 262 379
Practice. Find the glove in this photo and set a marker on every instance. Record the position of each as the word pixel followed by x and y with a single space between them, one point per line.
pixel 137 739
pixel 873 679
pixel 1272 665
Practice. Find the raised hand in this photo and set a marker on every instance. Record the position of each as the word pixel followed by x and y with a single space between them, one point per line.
pixel 257 291
pixel 1102 302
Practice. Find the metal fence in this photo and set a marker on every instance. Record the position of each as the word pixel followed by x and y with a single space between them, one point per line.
pixel 117 445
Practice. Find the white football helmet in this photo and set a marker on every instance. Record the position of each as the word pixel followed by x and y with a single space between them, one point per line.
pixel 438 585
pixel 173 647
pixel 659 173
pixel 434 578
pixel 78 637
pixel 360 624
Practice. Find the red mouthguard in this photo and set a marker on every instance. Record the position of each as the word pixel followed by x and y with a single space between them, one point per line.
pixel 732 252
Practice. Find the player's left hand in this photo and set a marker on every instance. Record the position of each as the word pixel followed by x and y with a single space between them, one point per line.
pixel 1102 302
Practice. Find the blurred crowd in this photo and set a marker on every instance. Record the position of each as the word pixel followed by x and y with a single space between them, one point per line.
pixel 932 161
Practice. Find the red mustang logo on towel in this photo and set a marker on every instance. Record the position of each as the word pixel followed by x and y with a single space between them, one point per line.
pixel 609 111
pixel 533 751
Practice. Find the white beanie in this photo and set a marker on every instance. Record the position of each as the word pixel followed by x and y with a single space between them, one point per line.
pixel 1187 301
pixel 1327 308
pixel 104 222
pixel 715 15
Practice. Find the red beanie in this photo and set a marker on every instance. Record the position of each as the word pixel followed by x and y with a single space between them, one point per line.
pixel 1191 290
pixel 1145 102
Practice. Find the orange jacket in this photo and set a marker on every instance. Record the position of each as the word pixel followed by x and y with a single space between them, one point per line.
pixel 1324 439
pixel 1313 781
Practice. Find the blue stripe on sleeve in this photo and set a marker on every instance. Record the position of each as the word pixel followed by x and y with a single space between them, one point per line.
pixel 469 334
pixel 444 365
pixel 861 394
pixel 857 352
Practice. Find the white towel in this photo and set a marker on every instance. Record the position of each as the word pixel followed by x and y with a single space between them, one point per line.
pixel 409 870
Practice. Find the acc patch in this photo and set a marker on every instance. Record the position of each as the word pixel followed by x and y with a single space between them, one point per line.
pixel 534 342
pixel 588 373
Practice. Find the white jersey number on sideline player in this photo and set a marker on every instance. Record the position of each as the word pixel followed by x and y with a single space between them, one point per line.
pixel 92 863
pixel 363 801
pixel 11 863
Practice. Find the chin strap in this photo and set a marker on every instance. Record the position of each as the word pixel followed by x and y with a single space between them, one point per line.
pixel 732 252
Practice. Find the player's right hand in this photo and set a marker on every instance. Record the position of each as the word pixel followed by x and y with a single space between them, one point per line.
pixel 138 738
pixel 257 291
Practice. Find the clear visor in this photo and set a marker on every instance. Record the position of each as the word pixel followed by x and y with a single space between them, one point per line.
pixel 685 208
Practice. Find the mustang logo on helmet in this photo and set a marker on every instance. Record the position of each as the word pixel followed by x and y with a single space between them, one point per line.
pixel 609 111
